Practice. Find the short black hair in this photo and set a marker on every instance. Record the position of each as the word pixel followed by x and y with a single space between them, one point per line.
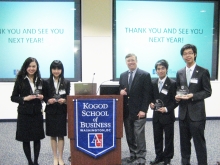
pixel 163 63
pixel 189 46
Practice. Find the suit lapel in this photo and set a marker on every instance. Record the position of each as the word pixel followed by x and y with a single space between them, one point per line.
pixel 166 86
pixel 126 81
pixel 195 72
pixel 156 85
pixel 29 86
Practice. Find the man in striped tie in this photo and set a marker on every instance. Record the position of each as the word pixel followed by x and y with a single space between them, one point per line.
pixel 163 104
pixel 136 87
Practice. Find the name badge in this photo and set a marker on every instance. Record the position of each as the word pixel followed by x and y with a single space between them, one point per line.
pixel 195 81
pixel 164 91
pixel 62 92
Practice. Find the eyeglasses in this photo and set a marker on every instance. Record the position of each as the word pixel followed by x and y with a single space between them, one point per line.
pixel 189 53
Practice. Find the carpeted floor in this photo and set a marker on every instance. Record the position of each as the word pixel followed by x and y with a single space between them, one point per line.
pixel 11 152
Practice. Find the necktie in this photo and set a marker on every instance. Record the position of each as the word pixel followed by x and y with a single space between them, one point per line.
pixel 130 80
pixel 160 85
pixel 188 76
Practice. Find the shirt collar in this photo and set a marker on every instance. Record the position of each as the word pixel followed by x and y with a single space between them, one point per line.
pixel 134 71
pixel 54 79
pixel 29 79
pixel 192 67
pixel 163 80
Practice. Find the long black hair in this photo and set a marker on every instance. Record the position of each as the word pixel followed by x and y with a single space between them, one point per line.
pixel 23 71
pixel 59 65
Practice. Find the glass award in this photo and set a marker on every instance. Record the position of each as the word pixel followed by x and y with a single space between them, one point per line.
pixel 158 104
pixel 56 96
pixel 182 90
pixel 37 92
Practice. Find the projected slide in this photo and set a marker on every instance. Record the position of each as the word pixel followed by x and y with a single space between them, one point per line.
pixel 43 30
pixel 157 30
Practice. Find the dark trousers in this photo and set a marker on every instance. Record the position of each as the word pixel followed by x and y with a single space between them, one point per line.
pixel 192 129
pixel 135 135
pixel 162 131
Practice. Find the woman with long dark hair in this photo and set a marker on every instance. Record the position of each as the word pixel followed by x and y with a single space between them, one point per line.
pixel 56 110
pixel 27 93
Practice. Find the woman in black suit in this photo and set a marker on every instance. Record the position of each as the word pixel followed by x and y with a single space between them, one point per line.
pixel 27 93
pixel 56 110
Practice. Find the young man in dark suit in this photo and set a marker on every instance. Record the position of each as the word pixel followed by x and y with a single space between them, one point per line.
pixel 192 115
pixel 136 87
pixel 164 103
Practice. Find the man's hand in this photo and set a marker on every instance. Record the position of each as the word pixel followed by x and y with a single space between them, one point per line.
pixel 152 106
pixel 178 98
pixel 162 110
pixel 187 97
pixel 141 114
pixel 123 92
pixel 184 97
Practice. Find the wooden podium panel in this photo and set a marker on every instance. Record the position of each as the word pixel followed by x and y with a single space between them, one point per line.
pixel 113 157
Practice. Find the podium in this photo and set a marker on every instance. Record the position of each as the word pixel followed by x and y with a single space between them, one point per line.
pixel 112 157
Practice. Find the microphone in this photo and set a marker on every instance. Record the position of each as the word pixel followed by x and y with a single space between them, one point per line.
pixel 93 77
pixel 93 81
pixel 101 84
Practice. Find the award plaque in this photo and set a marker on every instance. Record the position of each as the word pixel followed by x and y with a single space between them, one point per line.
pixel 158 104
pixel 182 90
pixel 56 96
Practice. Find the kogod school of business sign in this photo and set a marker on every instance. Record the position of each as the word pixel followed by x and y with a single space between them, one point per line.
pixel 95 123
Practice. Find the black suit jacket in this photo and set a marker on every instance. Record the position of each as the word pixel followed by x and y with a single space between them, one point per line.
pixel 22 88
pixel 200 87
pixel 56 108
pixel 167 95
pixel 139 96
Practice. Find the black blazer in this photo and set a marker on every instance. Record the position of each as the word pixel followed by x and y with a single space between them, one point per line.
pixel 167 95
pixel 56 108
pixel 139 96
pixel 22 89
pixel 200 87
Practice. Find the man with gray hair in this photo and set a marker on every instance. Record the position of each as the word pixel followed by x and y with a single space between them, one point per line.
pixel 136 87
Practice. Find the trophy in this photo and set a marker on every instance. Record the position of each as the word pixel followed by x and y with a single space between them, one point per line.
pixel 56 96
pixel 38 89
pixel 158 104
pixel 37 92
pixel 182 90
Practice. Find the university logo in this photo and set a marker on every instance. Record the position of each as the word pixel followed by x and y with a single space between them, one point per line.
pixel 95 140
pixel 95 126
